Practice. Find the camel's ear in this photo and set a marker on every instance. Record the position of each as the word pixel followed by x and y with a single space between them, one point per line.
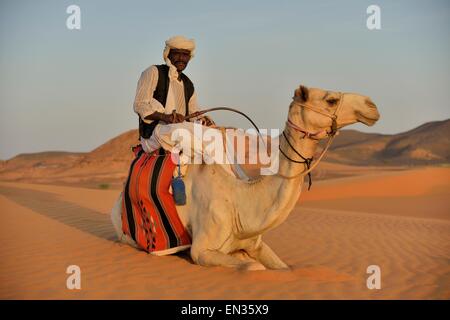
pixel 302 93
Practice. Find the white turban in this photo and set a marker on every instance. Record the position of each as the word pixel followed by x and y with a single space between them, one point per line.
pixel 177 42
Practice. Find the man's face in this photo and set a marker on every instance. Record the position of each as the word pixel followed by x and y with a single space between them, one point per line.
pixel 179 58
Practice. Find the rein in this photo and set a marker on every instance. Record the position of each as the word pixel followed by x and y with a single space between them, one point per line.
pixel 311 135
pixel 306 134
pixel 199 113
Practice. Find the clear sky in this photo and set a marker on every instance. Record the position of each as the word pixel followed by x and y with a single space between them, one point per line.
pixel 73 90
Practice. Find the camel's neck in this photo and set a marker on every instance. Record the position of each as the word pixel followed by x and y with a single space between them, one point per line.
pixel 274 197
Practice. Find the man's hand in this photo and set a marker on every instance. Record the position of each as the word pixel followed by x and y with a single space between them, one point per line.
pixel 173 117
pixel 207 121
pixel 177 117
pixel 168 118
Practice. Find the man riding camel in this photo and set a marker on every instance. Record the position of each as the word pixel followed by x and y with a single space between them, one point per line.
pixel 165 94
pixel 164 97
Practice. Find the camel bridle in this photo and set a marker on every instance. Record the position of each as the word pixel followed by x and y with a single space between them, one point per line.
pixel 313 136
pixel 306 134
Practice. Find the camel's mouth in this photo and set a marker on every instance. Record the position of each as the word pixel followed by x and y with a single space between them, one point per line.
pixel 369 120
pixel 368 113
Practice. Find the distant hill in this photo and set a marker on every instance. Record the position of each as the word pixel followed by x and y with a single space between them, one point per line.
pixel 426 144
pixel 29 165
pixel 108 164
pixel 117 149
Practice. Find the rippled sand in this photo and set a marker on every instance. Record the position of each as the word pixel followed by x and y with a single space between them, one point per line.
pixel 399 221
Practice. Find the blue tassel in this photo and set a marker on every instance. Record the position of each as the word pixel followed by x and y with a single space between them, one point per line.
pixel 179 189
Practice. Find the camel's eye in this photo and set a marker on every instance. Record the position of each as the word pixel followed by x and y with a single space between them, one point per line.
pixel 332 101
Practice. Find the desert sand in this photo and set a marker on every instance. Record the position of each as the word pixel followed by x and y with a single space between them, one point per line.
pixel 396 219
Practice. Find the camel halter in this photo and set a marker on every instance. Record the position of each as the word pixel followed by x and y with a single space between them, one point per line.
pixel 306 134
pixel 313 136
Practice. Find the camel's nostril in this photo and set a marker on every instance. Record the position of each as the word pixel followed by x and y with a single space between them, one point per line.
pixel 370 103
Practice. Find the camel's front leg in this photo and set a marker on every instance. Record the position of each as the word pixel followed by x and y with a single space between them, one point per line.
pixel 267 257
pixel 217 258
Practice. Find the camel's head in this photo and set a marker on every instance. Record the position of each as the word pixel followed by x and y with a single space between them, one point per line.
pixel 313 109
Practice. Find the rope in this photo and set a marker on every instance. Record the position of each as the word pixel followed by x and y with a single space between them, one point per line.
pixel 306 161
pixel 199 113
pixel 331 136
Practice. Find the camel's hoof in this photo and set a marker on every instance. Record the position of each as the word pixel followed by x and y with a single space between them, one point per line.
pixel 284 267
pixel 252 266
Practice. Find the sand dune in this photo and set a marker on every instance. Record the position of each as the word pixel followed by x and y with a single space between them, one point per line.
pixel 422 192
pixel 327 243
pixel 352 152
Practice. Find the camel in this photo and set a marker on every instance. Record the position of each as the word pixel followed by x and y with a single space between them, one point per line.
pixel 226 217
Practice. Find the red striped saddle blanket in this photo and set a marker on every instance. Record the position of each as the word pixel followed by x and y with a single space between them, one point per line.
pixel 149 214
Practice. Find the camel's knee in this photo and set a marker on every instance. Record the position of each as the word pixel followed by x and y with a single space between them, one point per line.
pixel 207 257
pixel 195 253
pixel 200 255
pixel 203 260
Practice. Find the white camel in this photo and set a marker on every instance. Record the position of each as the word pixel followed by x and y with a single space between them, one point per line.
pixel 226 217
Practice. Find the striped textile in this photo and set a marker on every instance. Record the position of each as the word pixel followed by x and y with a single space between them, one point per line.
pixel 149 215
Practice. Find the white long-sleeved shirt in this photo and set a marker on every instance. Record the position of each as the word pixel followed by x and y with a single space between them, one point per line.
pixel 145 104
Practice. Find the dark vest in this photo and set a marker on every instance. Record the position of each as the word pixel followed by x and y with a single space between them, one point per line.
pixel 160 94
